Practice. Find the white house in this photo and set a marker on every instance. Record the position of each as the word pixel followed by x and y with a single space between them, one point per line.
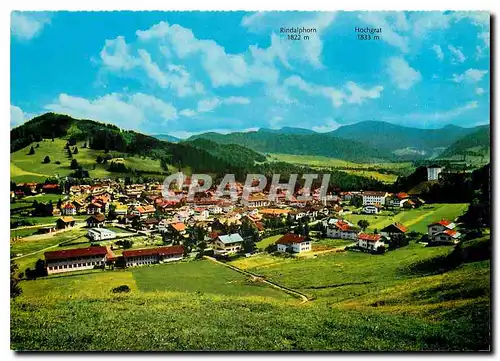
pixel 68 209
pixel 446 236
pixel 370 241
pixel 294 243
pixel 99 234
pixel 75 259
pixel 440 226
pixel 433 172
pixel 342 229
pixel 230 243
pixel 371 198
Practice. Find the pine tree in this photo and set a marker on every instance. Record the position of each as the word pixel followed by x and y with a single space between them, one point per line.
pixel 32 151
pixel 46 159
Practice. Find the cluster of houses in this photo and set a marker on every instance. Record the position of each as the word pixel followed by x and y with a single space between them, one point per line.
pixel 141 207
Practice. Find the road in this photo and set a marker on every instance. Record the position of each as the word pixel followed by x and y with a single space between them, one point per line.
pixel 261 279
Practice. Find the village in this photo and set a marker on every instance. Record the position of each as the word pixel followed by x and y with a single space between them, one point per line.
pixel 114 213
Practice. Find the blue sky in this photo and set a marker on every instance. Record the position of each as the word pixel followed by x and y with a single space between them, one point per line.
pixel 189 72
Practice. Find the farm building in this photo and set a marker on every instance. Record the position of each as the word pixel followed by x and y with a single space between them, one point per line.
pixel 440 226
pixel 370 241
pixel 96 220
pixel 99 234
pixel 230 243
pixel 65 222
pixel 393 229
pixel 292 242
pixel 75 259
pixel 138 257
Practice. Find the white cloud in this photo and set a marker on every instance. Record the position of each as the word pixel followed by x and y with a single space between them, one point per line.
pixel 439 52
pixel 389 22
pixel 444 115
pixel 222 68
pixel 401 73
pixel 350 93
pixel 18 116
pixel 281 48
pixel 187 113
pixel 328 126
pixel 458 56
pixel 116 54
pixel 358 94
pixel 209 104
pixel 236 100
pixel 479 91
pixel 470 76
pixel 27 25
pixel 116 57
pixel 425 22
pixel 126 111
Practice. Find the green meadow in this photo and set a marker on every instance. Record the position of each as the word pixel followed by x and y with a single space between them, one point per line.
pixel 384 172
pixel 30 168
pixel 359 302
pixel 415 219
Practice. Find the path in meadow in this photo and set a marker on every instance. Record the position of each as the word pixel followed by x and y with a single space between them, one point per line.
pixel 255 277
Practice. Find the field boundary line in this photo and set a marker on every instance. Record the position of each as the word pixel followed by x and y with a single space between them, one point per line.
pixel 293 292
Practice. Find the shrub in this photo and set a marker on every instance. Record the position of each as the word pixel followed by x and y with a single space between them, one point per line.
pixel 121 289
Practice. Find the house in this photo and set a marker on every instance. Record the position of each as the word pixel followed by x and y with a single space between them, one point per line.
pixel 96 220
pixel 144 211
pixel 448 236
pixel 395 201
pixel 342 229
pixel 370 241
pixel 99 234
pixel 230 243
pixel 438 227
pixel 371 198
pixel 292 242
pixel 51 188
pixel 372 209
pixel 393 229
pixel 150 223
pixel 177 227
pixel 65 222
pixel 138 257
pixel 94 208
pixel 433 172
pixel 76 259
pixel 68 209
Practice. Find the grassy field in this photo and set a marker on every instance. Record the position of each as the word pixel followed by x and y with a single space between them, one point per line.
pixel 25 168
pixel 327 243
pixel 384 172
pixel 262 244
pixel 193 306
pixel 200 277
pixel 415 219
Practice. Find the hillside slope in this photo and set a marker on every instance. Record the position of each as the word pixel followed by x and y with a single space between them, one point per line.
pixel 404 141
pixel 300 144
pixel 474 144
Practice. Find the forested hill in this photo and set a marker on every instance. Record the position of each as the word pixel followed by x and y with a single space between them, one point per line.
pixel 108 137
pixel 201 155
pixel 301 144
pixel 476 143
pixel 397 138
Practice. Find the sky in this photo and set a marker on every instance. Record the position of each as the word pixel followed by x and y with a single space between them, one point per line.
pixel 183 73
